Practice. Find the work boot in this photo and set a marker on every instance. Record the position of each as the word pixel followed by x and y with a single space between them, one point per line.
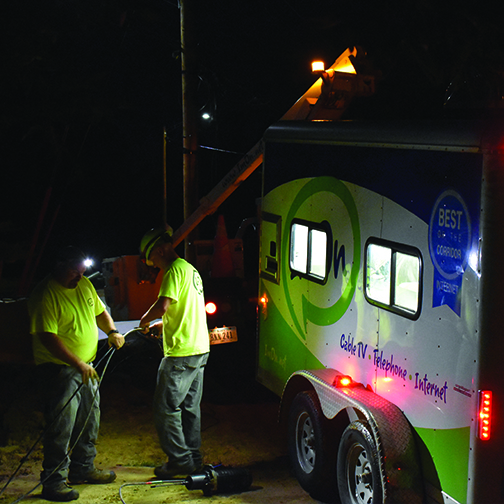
pixel 171 470
pixel 93 477
pixel 59 493
pixel 198 463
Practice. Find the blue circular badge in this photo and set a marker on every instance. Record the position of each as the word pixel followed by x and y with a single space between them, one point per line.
pixel 450 235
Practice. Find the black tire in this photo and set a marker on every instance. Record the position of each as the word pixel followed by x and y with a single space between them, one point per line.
pixel 359 471
pixel 312 455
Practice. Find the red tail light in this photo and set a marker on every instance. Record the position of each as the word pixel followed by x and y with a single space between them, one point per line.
pixel 485 415
pixel 210 308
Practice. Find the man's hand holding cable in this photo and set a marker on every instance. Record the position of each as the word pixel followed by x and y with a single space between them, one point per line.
pixel 144 326
pixel 54 344
pixel 106 324
pixel 88 372
pixel 115 339
pixel 156 311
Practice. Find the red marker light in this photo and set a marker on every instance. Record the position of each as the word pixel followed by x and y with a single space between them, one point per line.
pixel 210 308
pixel 263 301
pixel 485 415
pixel 342 381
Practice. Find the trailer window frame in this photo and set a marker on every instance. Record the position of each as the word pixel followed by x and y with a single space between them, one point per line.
pixel 385 293
pixel 302 262
pixel 270 253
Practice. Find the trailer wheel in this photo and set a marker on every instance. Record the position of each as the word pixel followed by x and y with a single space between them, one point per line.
pixel 358 469
pixel 310 449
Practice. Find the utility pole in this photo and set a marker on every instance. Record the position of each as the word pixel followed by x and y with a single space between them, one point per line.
pixel 189 119
pixel 165 182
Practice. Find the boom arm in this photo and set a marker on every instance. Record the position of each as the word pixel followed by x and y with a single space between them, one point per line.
pixel 221 191
pixel 326 99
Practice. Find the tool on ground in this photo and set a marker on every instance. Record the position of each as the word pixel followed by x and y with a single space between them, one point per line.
pixel 211 480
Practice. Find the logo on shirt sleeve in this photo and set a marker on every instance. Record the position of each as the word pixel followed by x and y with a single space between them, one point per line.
pixel 197 282
pixel 90 302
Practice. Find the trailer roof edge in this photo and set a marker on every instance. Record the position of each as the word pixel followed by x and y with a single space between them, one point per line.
pixel 464 135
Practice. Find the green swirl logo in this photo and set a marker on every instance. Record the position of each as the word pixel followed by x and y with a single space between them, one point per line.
pixel 322 316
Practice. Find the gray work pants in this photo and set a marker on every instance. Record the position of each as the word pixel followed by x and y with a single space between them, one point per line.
pixel 177 413
pixel 74 425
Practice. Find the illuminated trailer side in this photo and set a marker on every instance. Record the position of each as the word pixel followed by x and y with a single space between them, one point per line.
pixel 379 262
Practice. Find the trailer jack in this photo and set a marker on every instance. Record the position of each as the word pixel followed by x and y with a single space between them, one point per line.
pixel 211 480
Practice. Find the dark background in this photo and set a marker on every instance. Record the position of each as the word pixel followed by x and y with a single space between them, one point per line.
pixel 87 87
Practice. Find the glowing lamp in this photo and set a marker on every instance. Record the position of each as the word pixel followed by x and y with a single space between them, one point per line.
pixel 485 415
pixel 342 381
pixel 210 308
pixel 263 302
pixel 318 66
pixel 88 262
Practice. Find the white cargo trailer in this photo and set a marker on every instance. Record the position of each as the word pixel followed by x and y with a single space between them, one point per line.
pixel 380 321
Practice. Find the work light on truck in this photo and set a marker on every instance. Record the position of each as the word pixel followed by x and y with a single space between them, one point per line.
pixel 318 66
pixel 485 415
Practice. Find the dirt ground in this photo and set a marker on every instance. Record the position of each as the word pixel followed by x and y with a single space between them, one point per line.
pixel 239 430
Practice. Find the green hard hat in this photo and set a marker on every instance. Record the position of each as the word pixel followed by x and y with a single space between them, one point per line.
pixel 152 237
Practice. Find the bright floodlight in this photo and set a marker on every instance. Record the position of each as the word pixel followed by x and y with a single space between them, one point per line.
pixel 206 116
pixel 317 66
pixel 88 262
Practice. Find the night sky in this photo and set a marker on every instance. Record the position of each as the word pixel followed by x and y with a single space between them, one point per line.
pixel 88 86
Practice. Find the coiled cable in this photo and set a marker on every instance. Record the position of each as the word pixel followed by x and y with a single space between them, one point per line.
pixel 109 354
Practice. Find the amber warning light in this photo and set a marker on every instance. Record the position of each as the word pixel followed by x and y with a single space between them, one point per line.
pixel 263 303
pixel 485 415
pixel 318 66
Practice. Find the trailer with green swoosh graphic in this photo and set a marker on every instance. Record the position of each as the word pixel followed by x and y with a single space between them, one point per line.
pixel 380 303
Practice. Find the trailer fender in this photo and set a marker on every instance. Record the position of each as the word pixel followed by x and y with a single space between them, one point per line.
pixel 392 433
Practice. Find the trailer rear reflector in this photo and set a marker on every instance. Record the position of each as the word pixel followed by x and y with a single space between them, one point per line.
pixel 485 415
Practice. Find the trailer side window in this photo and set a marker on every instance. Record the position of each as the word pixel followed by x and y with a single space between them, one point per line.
pixel 394 277
pixel 299 248
pixel 378 273
pixel 271 231
pixel 309 250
